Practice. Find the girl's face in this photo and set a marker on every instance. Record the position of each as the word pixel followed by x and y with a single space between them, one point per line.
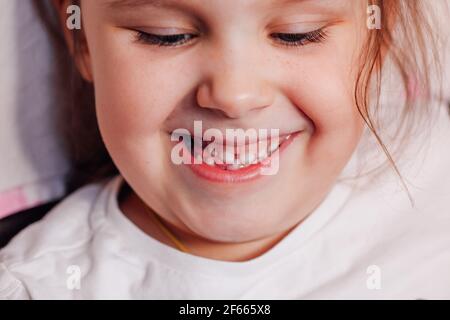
pixel 252 64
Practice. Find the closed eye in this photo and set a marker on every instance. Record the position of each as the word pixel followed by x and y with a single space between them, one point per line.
pixel 172 40
pixel 299 39
pixel 286 39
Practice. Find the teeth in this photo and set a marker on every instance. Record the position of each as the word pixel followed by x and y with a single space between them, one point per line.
pixel 262 155
pixel 209 161
pixel 273 146
pixel 228 156
pixel 246 156
pixel 251 158
pixel 210 152
pixel 196 149
pixel 198 158
pixel 242 155
pixel 234 167
pixel 216 154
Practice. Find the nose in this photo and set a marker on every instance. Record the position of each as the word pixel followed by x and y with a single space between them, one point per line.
pixel 234 87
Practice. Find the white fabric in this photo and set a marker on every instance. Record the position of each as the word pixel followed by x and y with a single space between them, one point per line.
pixel 329 255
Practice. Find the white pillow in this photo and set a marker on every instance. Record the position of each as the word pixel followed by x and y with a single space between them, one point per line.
pixel 32 160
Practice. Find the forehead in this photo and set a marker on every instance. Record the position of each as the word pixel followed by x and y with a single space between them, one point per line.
pixel 161 4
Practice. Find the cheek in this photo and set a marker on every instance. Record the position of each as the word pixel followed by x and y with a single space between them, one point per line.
pixel 324 91
pixel 135 100
pixel 326 83
pixel 129 99
pixel 327 98
pixel 134 93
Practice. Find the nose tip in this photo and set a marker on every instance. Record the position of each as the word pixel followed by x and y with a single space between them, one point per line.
pixel 234 98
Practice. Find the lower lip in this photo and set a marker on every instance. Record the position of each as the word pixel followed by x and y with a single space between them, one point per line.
pixel 252 172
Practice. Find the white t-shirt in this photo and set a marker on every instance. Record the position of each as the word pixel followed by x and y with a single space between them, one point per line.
pixel 365 244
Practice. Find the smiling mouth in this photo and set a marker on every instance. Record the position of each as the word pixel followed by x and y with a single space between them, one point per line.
pixel 220 162
pixel 231 156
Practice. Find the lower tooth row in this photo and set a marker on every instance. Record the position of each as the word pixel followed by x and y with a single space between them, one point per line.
pixel 236 166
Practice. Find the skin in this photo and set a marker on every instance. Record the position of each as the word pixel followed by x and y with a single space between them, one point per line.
pixel 233 75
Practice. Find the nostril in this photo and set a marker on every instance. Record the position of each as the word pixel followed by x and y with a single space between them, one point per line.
pixel 235 99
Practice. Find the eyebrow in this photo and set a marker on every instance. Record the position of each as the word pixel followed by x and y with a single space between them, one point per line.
pixel 118 4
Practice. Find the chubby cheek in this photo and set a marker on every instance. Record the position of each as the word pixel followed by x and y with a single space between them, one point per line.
pixel 332 109
pixel 324 91
pixel 133 99
pixel 134 96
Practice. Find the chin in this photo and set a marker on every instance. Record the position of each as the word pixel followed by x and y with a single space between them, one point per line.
pixel 233 226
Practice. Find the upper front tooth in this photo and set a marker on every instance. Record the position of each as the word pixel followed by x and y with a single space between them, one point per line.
pixel 198 159
pixel 228 155
pixel 209 151
pixel 273 146
pixel 262 150
pixel 247 156
pixel 209 160
pixel 251 158
pixel 242 155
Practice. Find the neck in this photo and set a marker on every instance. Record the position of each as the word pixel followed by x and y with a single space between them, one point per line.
pixel 135 210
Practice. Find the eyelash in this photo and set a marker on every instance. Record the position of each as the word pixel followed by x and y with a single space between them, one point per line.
pixel 286 39
pixel 300 39
pixel 164 40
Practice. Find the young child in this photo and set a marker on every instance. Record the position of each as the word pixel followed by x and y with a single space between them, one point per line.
pixel 332 220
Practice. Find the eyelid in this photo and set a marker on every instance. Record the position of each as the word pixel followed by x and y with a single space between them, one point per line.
pixel 304 38
pixel 315 36
pixel 163 31
pixel 299 27
pixel 159 40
